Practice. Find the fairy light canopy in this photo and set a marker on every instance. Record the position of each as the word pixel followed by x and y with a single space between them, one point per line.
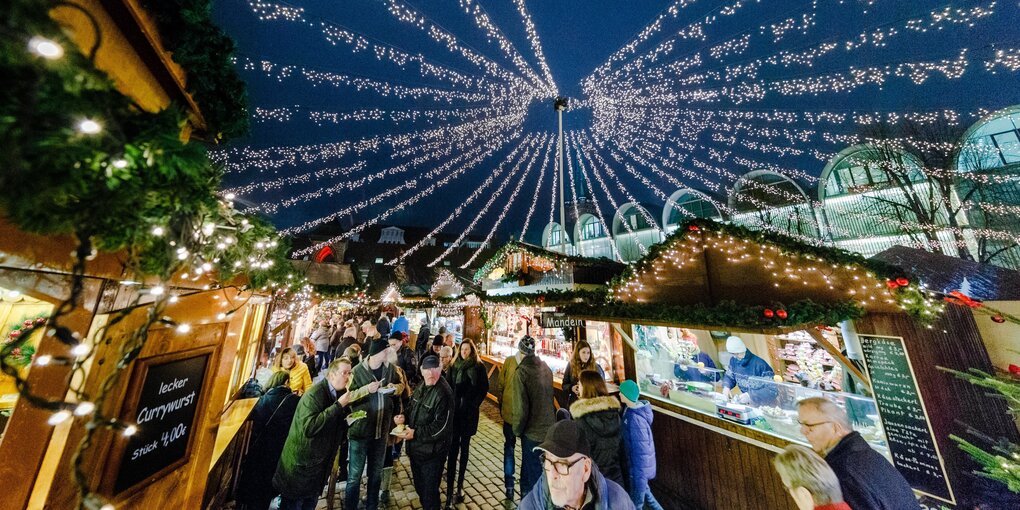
pixel 375 112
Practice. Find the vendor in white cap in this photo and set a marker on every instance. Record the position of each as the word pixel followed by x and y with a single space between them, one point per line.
pixel 742 367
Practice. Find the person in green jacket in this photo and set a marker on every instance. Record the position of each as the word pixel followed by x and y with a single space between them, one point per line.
pixel 312 441
pixel 533 410
pixel 504 392
pixel 375 388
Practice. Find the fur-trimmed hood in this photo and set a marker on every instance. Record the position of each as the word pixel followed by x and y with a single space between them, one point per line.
pixel 593 405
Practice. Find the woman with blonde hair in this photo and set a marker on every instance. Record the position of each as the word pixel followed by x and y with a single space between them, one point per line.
pixel 289 361
pixel 470 384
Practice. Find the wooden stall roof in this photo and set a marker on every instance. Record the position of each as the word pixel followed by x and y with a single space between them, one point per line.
pixel 943 273
pixel 325 273
pixel 709 263
pixel 584 270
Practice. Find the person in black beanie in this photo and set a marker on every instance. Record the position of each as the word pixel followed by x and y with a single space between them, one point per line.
pixel 374 388
pixel 533 410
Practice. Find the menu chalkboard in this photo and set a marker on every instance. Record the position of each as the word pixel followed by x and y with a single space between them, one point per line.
pixel 904 417
pixel 164 412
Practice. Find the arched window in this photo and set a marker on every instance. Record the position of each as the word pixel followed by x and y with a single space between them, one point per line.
pixel 591 228
pixel 992 142
pixel 687 204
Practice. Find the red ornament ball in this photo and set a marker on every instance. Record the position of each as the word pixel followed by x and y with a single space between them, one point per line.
pixel 998 319
pixel 781 314
pixel 891 284
pixel 27 323
pixel 693 228
pixel 15 334
pixel 40 321
pixel 902 282
pixel 540 299
pixel 769 313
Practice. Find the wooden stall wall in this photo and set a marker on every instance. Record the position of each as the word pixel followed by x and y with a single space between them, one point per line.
pixel 953 405
pixel 183 487
pixel 473 325
pixel 699 468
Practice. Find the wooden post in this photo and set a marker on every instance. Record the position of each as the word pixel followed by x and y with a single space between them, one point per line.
pixel 831 349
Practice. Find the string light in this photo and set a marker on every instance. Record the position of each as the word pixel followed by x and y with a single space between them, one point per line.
pixel 45 48
pixel 538 189
pixel 89 127
pixel 528 143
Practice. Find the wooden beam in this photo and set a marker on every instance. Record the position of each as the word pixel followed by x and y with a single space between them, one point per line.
pixel 837 355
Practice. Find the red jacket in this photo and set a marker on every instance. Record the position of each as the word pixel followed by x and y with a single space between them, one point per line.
pixel 834 506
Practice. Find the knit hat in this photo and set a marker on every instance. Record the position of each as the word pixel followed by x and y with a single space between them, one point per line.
pixel 430 361
pixel 397 335
pixel 438 340
pixel 564 439
pixel 378 345
pixel 526 345
pixel 735 345
pixel 630 390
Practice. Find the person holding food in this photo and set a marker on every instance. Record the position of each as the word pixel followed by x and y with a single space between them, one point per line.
pixel 744 366
pixel 374 389
pixel 312 441
pixel 427 428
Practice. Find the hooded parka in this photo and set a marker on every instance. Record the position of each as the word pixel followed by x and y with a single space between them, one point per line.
pixel 599 417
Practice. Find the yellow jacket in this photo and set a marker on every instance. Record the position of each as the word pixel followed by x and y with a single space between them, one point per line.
pixel 300 380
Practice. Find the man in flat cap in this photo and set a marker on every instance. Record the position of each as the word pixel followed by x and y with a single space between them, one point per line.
pixel 429 431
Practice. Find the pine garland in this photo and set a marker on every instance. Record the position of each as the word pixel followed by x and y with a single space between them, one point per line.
pixel 725 313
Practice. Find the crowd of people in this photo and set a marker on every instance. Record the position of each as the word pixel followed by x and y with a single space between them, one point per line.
pixel 378 396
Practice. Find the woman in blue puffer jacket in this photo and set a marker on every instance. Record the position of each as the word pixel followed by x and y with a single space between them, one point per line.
pixel 638 446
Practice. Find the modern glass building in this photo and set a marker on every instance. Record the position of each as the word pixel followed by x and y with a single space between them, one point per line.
pixel 868 198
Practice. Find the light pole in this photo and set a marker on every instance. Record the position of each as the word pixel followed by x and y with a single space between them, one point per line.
pixel 559 106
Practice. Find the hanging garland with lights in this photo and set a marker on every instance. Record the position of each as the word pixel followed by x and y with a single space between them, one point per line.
pixel 726 313
pixel 83 160
pixel 909 295
pixel 495 263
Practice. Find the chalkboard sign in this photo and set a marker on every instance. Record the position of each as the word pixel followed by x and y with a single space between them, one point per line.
pixel 165 398
pixel 904 417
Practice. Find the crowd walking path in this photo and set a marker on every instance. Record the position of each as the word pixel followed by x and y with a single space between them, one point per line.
pixel 483 484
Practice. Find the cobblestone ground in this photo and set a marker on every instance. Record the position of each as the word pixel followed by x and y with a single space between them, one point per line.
pixel 483 484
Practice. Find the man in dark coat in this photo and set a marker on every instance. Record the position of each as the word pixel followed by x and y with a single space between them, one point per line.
pixel 867 478
pixel 271 419
pixel 533 410
pixel 423 344
pixel 428 431
pixel 313 439
pixel 374 389
pixel 570 478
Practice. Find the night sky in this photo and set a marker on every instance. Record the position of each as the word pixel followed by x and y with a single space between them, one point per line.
pixel 576 37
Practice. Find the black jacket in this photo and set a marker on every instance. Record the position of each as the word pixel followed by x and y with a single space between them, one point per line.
pixel 470 385
pixel 532 410
pixel 431 418
pixel 599 418
pixel 867 478
pixel 271 418
pixel 407 360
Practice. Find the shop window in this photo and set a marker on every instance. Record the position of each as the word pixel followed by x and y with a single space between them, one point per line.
pixel 688 368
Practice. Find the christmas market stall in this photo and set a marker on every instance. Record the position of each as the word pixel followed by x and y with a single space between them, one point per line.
pixel 129 282
pixel 525 286
pixel 725 329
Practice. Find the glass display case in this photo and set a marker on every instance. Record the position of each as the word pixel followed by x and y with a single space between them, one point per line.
pixel 510 323
pixel 667 371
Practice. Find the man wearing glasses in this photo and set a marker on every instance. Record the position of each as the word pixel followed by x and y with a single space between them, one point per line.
pixel 867 478
pixel 570 480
